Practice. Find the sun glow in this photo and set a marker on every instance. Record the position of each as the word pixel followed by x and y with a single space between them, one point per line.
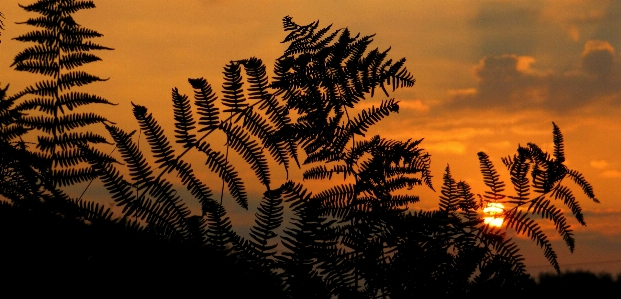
pixel 494 210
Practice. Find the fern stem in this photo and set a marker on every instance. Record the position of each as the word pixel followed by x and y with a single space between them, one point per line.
pixel 226 159
pixel 89 183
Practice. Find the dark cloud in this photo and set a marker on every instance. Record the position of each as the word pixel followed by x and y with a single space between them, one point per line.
pixel 506 28
pixel 598 59
pixel 510 82
pixel 609 27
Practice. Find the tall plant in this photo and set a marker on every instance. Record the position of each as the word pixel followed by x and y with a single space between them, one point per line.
pixel 60 47
pixel 355 239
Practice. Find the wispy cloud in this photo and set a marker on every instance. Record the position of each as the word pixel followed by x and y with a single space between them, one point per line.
pixel 613 174
pixel 599 164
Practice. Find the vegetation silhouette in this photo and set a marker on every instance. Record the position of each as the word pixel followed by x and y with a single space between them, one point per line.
pixel 574 284
pixel 356 239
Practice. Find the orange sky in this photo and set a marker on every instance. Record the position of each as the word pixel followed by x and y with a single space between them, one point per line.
pixel 490 75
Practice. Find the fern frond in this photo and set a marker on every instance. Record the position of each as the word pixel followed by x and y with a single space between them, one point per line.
pixel 74 6
pixel 73 100
pixel 42 88
pixel 298 30
pixel 69 100
pixel 220 234
pixel 564 193
pixel 400 182
pixel 75 78
pixel 139 169
pixel 184 122
pixel 205 99
pixel 232 89
pixel 46 22
pixel 66 141
pixel 579 179
pixel 543 206
pixel 93 211
pixel 336 198
pixel 257 78
pixel 160 147
pixel 64 123
pixel 294 193
pixel 241 142
pixel 491 178
pixel 467 203
pixel 196 187
pixel 164 194
pixel 12 132
pixel 73 60
pixel 219 164
pixel 559 151
pixel 268 218
pixel 404 200
pixel 523 225
pixel 43 67
pixel 70 157
pixel 321 172
pixel 519 171
pixel 361 123
pixel 259 127
pixel 79 32
pixel 44 37
pixel 46 105
pixel 78 45
pixel 510 251
pixel 450 197
pixel 68 177
pixel 398 76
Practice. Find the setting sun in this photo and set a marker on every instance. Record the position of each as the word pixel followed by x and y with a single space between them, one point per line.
pixel 494 210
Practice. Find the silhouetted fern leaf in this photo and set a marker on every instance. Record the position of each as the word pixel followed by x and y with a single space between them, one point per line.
pixel 367 118
pixel 184 122
pixel 161 148
pixel 450 197
pixel 218 164
pixel 579 179
pixel 205 99
pixel 491 178
pixel 268 218
pixel 524 225
pixel 232 89
pixel 139 169
pixel 196 187
pixel 241 142
pixel 543 206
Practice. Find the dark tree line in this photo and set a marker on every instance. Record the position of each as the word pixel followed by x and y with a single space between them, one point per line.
pixel 355 239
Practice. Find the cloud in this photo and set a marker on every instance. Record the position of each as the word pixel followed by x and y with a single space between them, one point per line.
pixel 416 105
pixel 453 147
pixel 613 174
pixel 599 164
pixel 510 82
pixel 609 28
pixel 598 58
pixel 506 27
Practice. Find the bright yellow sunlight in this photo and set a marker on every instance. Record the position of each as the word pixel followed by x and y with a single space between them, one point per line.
pixel 494 210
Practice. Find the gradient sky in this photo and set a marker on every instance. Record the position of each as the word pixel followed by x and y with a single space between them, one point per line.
pixel 490 75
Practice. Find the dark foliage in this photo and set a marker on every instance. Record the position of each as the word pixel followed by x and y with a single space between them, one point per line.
pixel 60 47
pixel 356 239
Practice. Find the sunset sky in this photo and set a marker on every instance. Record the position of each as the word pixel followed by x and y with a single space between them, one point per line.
pixel 489 75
